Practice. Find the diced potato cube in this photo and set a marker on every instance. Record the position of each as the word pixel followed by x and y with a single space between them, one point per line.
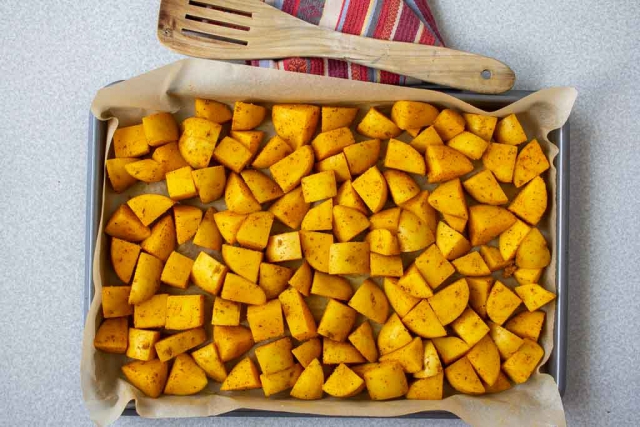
pixel 275 356
pixel 112 335
pixel 265 321
pixel 208 273
pixel 225 312
pixel 160 128
pixel 152 313
pixel 130 142
pixel 185 312
pixel 177 270
pixel 173 345
pixel 141 344
pixel 115 301
pixel 284 247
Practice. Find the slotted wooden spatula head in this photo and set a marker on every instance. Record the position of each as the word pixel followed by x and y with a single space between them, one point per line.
pixel 250 29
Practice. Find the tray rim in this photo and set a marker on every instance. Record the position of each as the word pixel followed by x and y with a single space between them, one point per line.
pixel 556 364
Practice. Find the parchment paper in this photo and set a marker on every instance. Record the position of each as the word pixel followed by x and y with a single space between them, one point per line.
pixel 172 88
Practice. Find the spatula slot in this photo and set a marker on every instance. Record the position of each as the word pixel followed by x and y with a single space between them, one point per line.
pixel 201 35
pixel 214 22
pixel 219 8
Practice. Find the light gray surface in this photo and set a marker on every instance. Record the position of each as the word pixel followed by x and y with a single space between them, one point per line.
pixel 53 58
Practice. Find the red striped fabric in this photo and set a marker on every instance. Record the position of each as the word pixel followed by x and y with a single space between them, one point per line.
pixel 400 20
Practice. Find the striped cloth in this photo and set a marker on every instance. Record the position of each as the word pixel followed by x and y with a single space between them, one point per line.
pixel 399 20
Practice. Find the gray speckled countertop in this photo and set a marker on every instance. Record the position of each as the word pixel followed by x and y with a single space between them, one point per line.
pixel 53 58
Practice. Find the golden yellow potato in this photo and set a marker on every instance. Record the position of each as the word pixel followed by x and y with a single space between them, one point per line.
pixel 198 141
pixel 445 163
pixel 372 188
pixel 527 324
pixel 387 219
pixel 210 183
pixel 404 157
pixel 316 248
pixel 501 303
pixel 284 247
pixel 531 162
pixel 149 207
pixel 470 327
pixel 463 378
pixel 533 251
pixel 243 262
pixel 377 125
pixel 301 279
pixel 130 142
pixel 348 223
pixel 362 156
pixel 291 208
pixel 523 362
pixel 348 197
pixel 458 224
pixel 527 275
pixel 431 365
pixel 181 342
pixel 289 171
pixel 307 351
pixel 177 270
pixel 263 188
pixel 331 286
pixel 214 111
pixel 247 116
pixel 480 125
pixel 383 242
pixel 343 382
pixel 450 349
pixel 274 151
pixel 450 302
pixel 309 383
pixel 229 223
pixel 208 359
pixel 501 384
pixel 347 258
pixel 338 164
pixel 168 155
pixel 332 142
pixel 531 203
pixel 187 220
pixel 319 186
pixel 386 381
pixel 237 288
pixel 449 198
pixel 400 301
pixel 363 340
pixel 238 197
pixel 147 170
pixel 429 388
pixel 493 258
pixel 295 123
pixel 506 342
pixel 160 128
pixel 146 279
pixel 534 296
pixel 511 238
pixel 232 341
pixel 123 258
pixel 401 186
pixel 433 266
pixel 393 335
pixel 255 229
pixel 180 184
pixel 501 160
pixel 471 264
pixel 118 175
pixel 208 273
pixel 413 114
pixel 479 288
pixel 251 139
pixel 509 131
pixel 337 117
pixel 149 377
pixel 413 233
pixel 452 244
pixel 275 356
pixel 336 352
pixel 469 144
pixel 414 284
pixel 410 356
pixel 485 189
pixel 115 301
pixel 280 381
pixel 370 301
pixel 337 321
pixel 486 222
pixel 225 313
pixel 449 123
pixel 243 376
pixel 299 318
pixel 422 321
pixel 427 137
pixel 419 205
pixel 319 217
pixel 186 377
pixel 273 279
pixel 112 336
pixel 141 344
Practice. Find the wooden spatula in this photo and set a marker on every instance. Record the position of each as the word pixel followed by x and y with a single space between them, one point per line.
pixel 250 29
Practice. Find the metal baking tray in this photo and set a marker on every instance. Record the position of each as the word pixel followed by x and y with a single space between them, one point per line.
pixel 557 363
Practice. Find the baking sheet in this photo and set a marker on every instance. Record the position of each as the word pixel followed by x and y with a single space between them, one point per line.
pixel 173 88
